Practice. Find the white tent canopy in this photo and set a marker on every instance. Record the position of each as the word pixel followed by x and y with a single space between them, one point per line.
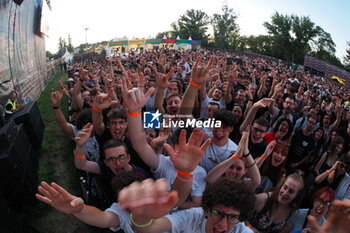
pixel 67 56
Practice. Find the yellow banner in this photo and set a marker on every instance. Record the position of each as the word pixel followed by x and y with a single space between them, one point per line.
pixel 139 41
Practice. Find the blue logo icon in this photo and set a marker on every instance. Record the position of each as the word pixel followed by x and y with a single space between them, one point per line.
pixel 151 120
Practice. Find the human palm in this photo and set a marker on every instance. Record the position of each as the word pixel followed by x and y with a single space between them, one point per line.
pixel 187 155
pixel 59 198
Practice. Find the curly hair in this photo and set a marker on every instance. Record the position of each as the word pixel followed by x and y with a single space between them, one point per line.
pixel 232 193
pixel 124 179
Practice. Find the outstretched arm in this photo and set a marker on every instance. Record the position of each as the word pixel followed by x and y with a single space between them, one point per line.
pixel 200 76
pixel 80 160
pixel 337 220
pixel 60 199
pixel 252 112
pixel 102 101
pixel 56 97
pixel 162 82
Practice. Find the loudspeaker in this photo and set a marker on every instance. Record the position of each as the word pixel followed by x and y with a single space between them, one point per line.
pixel 7 134
pixel 30 117
pixel 18 170
pixel 18 2
pixel 11 220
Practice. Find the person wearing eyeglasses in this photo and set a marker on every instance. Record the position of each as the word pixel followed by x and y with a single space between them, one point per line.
pixel 334 176
pixel 116 160
pixel 225 204
pixel 298 222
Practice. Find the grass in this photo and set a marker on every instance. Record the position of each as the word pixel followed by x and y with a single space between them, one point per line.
pixel 55 164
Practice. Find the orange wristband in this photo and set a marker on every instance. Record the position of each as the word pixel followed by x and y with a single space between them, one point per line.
pixel 329 172
pixel 189 175
pixel 96 109
pixel 134 114
pixel 79 157
pixel 194 84
pixel 235 157
pixel 263 157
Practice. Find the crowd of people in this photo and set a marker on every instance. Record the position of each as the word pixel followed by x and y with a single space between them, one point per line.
pixel 279 154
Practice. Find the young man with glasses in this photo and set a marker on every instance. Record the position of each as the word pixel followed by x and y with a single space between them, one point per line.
pixel 116 160
pixel 225 204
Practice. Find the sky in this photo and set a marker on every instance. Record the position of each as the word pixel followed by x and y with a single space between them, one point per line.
pixel 108 19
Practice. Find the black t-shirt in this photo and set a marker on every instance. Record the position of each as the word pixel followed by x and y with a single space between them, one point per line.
pixel 107 175
pixel 134 157
pixel 256 149
pixel 300 146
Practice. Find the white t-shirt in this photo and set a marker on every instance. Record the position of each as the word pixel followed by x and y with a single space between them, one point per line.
pixel 91 147
pixel 124 218
pixel 193 220
pixel 296 221
pixel 167 170
pixel 216 154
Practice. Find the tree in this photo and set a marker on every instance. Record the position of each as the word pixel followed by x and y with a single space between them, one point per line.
pixel 224 26
pixel 161 34
pixel 193 24
pixel 346 58
pixel 62 44
pixel 70 46
pixel 294 36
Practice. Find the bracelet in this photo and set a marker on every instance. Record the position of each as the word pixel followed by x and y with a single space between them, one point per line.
pixel 329 172
pixel 250 226
pixel 134 114
pixel 96 109
pixel 263 157
pixel 138 225
pixel 183 179
pixel 194 83
pixel 235 157
pixel 185 174
pixel 79 157
pixel 250 165
pixel 245 156
pixel 55 107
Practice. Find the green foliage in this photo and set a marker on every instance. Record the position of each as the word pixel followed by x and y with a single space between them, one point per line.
pixel 224 26
pixel 70 46
pixel 161 34
pixel 191 24
pixel 293 37
pixel 346 58
pixel 62 45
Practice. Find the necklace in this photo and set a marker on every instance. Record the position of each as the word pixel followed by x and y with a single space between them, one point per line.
pixel 215 152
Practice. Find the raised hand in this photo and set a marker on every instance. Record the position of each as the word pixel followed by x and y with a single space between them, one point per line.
pixel 148 199
pixel 103 101
pixel 59 198
pixel 188 155
pixel 162 81
pixel 200 74
pixel 84 135
pixel 135 98
pixel 56 97
pixel 270 148
pixel 337 220
pixel 263 103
